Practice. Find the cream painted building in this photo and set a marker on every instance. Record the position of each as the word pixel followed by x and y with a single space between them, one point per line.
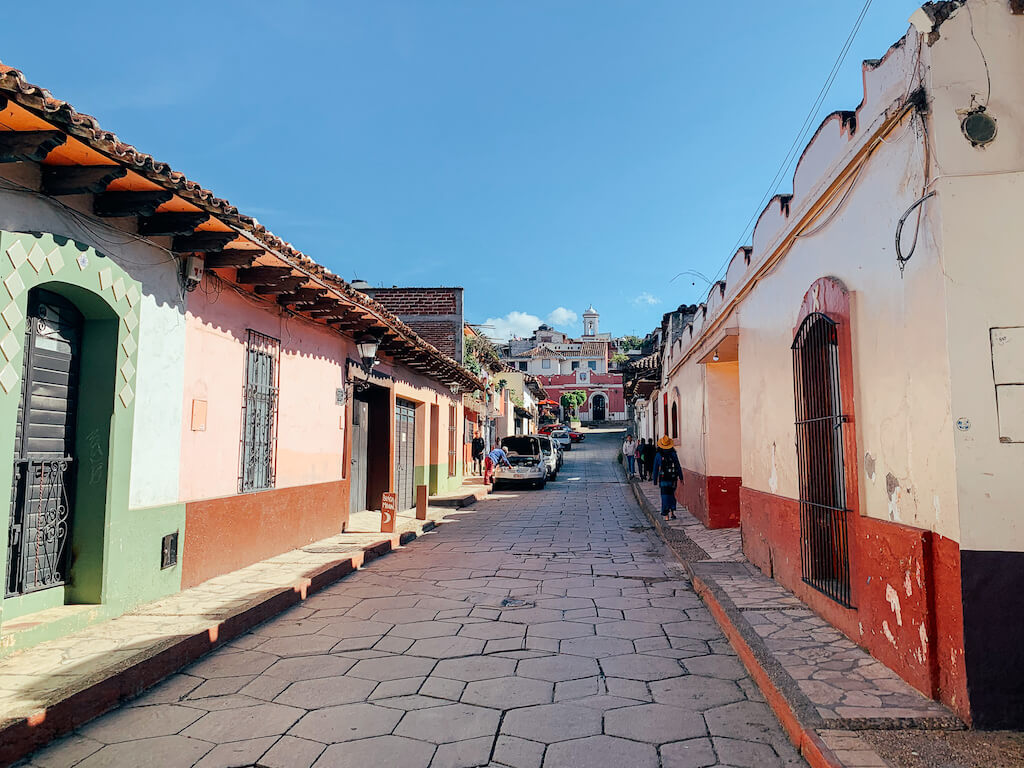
pixel 852 394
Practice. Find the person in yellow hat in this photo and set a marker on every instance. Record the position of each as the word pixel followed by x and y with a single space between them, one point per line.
pixel 668 473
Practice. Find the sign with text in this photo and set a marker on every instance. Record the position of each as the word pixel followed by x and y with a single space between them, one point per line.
pixel 388 505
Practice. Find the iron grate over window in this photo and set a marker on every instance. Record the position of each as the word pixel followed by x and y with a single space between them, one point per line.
pixel 259 413
pixel 820 422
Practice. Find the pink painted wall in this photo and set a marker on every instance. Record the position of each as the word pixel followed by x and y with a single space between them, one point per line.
pixel 310 438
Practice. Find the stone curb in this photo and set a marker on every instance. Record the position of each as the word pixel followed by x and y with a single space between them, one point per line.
pixel 795 712
pixel 125 681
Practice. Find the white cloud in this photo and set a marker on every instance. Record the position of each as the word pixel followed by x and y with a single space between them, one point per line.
pixel 523 324
pixel 646 300
pixel 515 323
pixel 562 317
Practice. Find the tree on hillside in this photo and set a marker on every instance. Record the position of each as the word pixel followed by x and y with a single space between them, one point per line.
pixel 572 400
pixel 630 342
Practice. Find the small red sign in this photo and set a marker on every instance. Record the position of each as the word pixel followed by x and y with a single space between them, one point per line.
pixel 388 505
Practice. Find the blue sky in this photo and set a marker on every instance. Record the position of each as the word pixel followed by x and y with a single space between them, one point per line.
pixel 545 155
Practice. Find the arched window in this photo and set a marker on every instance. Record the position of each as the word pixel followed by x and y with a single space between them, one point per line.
pixel 824 543
pixel 675 421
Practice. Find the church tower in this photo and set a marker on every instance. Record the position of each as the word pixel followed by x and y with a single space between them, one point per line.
pixel 590 318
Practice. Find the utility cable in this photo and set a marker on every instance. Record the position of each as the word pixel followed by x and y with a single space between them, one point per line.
pixel 801 134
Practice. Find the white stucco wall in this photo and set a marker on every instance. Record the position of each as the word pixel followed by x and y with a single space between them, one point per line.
pixel 156 447
pixel 981 193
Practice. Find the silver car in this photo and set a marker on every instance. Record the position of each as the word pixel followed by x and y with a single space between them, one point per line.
pixel 527 459
pixel 561 437
pixel 552 455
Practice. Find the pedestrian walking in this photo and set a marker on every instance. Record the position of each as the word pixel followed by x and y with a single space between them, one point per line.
pixel 641 467
pixel 667 475
pixel 649 452
pixel 629 453
pixel 494 459
pixel 478 453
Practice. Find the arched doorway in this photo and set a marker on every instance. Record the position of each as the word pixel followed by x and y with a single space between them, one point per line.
pixel 600 407
pixel 43 495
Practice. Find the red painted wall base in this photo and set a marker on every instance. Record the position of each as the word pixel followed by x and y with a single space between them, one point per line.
pixel 712 499
pixel 905 585
pixel 223 535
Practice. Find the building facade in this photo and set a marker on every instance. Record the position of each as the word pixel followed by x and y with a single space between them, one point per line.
pixel 181 392
pixel 849 395
pixel 563 364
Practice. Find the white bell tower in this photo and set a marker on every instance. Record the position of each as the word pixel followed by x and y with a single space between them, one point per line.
pixel 590 318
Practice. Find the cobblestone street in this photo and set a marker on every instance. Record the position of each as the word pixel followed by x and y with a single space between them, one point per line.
pixel 538 628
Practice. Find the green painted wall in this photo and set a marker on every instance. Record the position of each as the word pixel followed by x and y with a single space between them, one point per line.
pixel 442 483
pixel 111 564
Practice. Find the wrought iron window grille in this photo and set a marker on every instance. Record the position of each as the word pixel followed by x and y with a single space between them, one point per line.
pixel 820 438
pixel 257 469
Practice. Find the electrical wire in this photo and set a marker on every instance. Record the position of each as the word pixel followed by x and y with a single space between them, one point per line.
pixel 801 134
pixel 988 74
pixel 900 258
pixel 90 226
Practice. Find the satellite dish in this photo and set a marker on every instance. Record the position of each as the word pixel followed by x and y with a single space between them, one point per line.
pixel 979 127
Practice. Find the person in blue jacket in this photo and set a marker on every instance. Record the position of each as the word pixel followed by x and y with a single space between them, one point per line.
pixel 667 473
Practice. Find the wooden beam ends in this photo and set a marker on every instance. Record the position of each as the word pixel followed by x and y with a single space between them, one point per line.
pixel 28 146
pixel 79 179
pixel 118 204
pixel 171 223
pixel 232 257
pixel 261 275
pixel 202 242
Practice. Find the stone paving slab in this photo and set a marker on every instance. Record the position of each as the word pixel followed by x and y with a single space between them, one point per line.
pixel 548 629
pixel 50 688
pixel 825 688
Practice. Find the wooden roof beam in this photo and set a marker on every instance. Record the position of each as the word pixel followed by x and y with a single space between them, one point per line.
pixel 232 257
pixel 120 204
pixel 202 242
pixel 28 146
pixel 302 296
pixel 281 286
pixel 261 275
pixel 79 179
pixel 166 224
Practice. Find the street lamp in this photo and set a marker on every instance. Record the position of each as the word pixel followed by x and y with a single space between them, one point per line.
pixel 367 347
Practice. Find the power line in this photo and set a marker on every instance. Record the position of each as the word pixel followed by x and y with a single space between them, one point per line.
pixel 801 135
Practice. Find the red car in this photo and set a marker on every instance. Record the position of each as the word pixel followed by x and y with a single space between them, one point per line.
pixel 576 437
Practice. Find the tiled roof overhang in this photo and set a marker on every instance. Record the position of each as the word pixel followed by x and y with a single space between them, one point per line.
pixel 235 247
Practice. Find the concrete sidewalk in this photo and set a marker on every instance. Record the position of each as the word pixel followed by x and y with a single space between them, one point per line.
pixel 824 689
pixel 52 688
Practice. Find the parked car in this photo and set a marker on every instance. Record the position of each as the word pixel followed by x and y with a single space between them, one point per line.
pixel 547 428
pixel 527 459
pixel 576 437
pixel 562 438
pixel 552 455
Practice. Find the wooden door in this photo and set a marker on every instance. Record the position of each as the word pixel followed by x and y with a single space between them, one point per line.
pixel 405 453
pixel 360 443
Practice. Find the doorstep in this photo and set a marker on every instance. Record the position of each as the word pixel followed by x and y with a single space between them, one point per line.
pixel 823 688
pixel 470 492
pixel 56 686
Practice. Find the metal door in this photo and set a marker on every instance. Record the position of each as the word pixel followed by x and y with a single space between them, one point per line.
pixel 41 496
pixel 405 453
pixel 599 408
pixel 358 474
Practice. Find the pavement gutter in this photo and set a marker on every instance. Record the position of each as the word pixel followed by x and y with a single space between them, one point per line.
pixel 92 697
